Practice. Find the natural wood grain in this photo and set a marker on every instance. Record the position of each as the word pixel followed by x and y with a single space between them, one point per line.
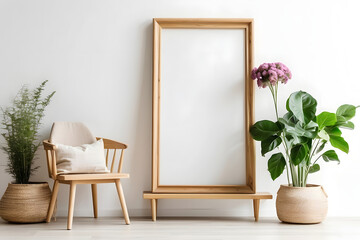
pixel 97 181
pixel 94 198
pixel 221 189
pixel 122 201
pixel 107 157
pixel 49 164
pixel 155 196
pixel 90 178
pixel 150 195
pixel 111 144
pixel 71 205
pixel 256 205
pixel 48 145
pixel 50 158
pixel 202 23
pixel 113 162
pixel 53 165
pixel 249 109
pixel 155 104
pixel 53 200
pixel 121 161
pixel 153 209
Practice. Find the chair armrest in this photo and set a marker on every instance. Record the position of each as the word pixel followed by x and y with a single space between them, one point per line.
pixel 50 158
pixel 111 144
pixel 48 145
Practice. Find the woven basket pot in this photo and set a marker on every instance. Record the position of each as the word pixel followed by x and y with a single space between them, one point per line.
pixel 301 204
pixel 25 203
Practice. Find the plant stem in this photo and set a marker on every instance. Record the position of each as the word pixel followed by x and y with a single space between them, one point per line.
pixel 293 175
pixel 313 151
pixel 287 172
pixel 299 176
pixel 311 156
pixel 307 172
pixel 274 95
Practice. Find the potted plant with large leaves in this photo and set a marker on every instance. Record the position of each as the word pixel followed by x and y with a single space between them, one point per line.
pixel 24 201
pixel 303 134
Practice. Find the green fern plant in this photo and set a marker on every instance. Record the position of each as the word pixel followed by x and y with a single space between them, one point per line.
pixel 21 123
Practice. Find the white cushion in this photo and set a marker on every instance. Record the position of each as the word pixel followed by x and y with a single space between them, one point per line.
pixel 71 133
pixel 87 158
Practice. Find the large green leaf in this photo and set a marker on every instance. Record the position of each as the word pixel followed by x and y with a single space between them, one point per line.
pixel 261 130
pixel 289 141
pixel 333 131
pixel 302 130
pixel 299 153
pixel 287 124
pixel 339 143
pixel 299 140
pixel 345 124
pixel 270 144
pixel 314 168
pixel 276 165
pixel 325 119
pixel 302 105
pixel 290 118
pixel 323 135
pixel 309 130
pixel 330 156
pixel 321 147
pixel 346 112
pixel 289 121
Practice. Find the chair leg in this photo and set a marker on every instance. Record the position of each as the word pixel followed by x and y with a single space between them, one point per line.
pixel 53 201
pixel 71 205
pixel 122 201
pixel 94 198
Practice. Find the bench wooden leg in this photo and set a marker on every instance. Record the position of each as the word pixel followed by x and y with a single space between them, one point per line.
pixel 256 203
pixel 153 209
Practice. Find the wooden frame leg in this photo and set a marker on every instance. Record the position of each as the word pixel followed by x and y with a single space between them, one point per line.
pixel 122 201
pixel 154 209
pixel 71 205
pixel 256 203
pixel 94 198
pixel 53 201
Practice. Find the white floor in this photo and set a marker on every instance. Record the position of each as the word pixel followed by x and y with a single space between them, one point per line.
pixel 183 228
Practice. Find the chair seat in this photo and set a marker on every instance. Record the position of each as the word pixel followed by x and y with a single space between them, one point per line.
pixel 92 176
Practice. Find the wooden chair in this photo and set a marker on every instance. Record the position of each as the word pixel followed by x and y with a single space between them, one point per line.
pixel 66 133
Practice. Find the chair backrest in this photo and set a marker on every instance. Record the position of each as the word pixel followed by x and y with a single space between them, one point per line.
pixel 111 148
pixel 71 133
pixel 76 134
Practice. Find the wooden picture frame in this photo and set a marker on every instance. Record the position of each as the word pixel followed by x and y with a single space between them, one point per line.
pixel 169 23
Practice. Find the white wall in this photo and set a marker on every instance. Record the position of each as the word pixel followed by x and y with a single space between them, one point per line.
pixel 98 56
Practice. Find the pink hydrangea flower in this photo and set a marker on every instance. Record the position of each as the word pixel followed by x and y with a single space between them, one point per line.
pixel 271 73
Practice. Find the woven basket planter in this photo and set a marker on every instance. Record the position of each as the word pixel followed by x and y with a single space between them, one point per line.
pixel 25 203
pixel 301 204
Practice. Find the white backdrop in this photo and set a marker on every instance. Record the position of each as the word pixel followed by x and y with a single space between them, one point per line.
pixel 202 112
pixel 98 57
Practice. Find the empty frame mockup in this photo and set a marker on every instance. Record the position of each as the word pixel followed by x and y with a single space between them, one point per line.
pixel 202 106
